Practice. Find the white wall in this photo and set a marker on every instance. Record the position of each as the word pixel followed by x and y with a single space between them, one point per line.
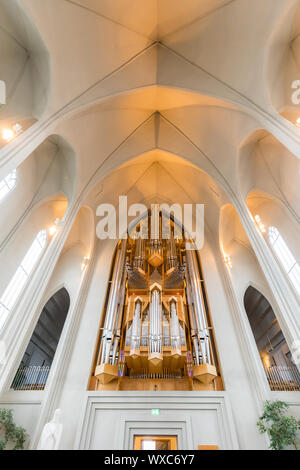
pixel 26 407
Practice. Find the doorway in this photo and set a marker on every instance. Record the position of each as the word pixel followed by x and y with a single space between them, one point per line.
pixel 155 443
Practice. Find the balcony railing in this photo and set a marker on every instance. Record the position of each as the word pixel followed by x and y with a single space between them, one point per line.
pixel 283 378
pixel 31 378
pixel 144 341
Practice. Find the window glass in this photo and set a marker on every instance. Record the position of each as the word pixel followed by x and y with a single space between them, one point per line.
pixel 18 281
pixel 8 183
pixel 285 256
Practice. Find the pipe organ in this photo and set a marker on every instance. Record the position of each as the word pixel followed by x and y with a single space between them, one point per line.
pixel 156 331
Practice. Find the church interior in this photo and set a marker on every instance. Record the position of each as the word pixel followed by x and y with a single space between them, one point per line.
pixel 136 342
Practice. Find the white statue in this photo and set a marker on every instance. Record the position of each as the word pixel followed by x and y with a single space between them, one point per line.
pixel 52 433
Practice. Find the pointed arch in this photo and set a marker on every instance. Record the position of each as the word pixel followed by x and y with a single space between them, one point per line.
pixel 36 363
pixel 275 355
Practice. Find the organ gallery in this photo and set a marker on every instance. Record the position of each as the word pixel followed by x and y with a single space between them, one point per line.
pixel 155 332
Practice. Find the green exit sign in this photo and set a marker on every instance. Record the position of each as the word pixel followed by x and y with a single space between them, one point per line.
pixel 155 412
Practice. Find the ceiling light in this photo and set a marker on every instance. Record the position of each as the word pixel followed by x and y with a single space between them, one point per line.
pixel 298 122
pixel 7 134
pixel 52 230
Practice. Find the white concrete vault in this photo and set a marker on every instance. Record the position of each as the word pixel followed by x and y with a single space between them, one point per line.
pixel 24 67
pixel 283 61
pixel 170 23
pixel 266 165
pixel 162 101
pixel 157 177
pixel 153 130
pixel 159 55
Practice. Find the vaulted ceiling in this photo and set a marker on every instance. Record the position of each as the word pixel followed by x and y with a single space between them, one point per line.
pixel 156 97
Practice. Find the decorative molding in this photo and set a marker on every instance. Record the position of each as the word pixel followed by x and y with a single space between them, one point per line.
pixel 142 402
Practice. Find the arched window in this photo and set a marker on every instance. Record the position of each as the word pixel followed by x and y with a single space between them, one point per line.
pixel 285 256
pixel 8 184
pixel 36 363
pixel 17 283
pixel 277 360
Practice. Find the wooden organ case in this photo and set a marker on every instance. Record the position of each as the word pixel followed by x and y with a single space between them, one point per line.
pixel 156 332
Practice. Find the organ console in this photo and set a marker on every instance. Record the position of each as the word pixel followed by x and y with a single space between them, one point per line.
pixel 156 332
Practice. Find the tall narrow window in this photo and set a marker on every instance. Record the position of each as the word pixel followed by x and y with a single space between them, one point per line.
pixel 8 184
pixel 2 92
pixel 285 256
pixel 17 283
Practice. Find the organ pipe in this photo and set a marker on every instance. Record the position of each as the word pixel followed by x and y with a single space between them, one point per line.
pixel 139 258
pixel 156 318
pixel 118 318
pixel 136 328
pixel 171 253
pixel 175 331
pixel 113 304
pixel 194 333
pixel 145 331
pixel 155 222
pixel 155 322
pixel 201 330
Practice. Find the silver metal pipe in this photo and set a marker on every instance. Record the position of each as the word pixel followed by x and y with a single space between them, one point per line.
pixel 139 257
pixel 116 332
pixel 113 304
pixel 200 314
pixel 136 327
pixel 196 290
pixel 155 322
pixel 175 332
